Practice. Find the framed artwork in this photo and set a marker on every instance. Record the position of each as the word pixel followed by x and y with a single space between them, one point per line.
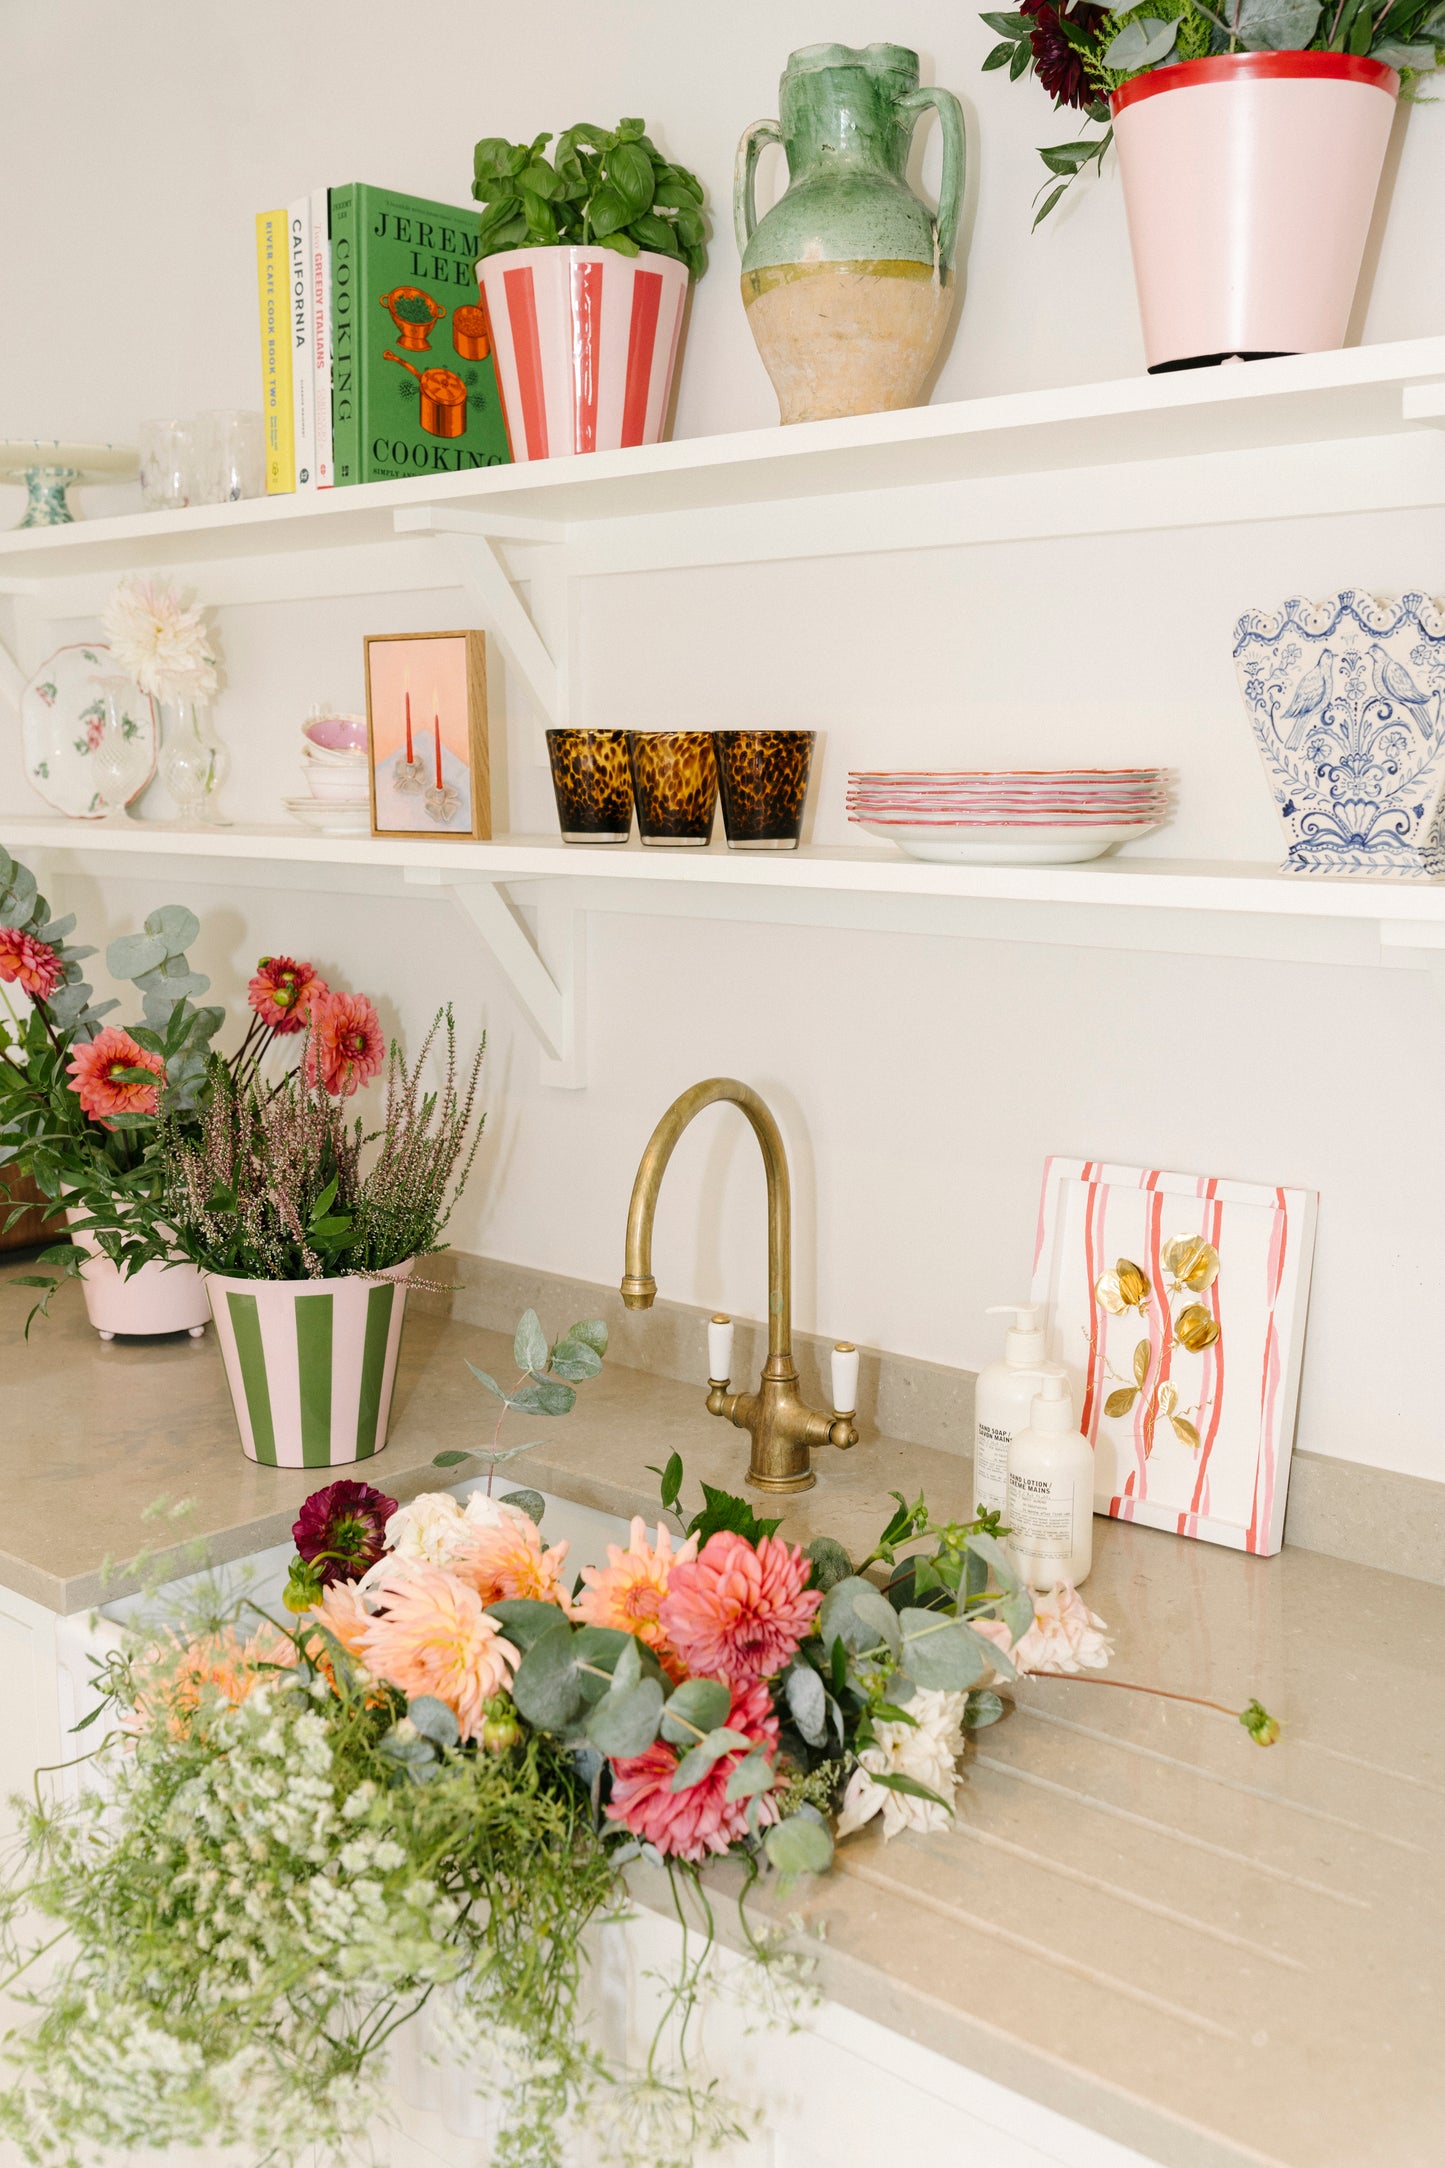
pixel 426 721
pixel 1177 1304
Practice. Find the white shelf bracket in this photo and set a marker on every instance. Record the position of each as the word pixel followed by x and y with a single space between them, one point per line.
pixel 546 975
pixel 471 541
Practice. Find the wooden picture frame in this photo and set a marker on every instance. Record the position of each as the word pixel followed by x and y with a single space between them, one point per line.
pixel 426 732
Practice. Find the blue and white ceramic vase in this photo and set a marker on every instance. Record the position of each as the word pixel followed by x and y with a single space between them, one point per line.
pixel 1347 702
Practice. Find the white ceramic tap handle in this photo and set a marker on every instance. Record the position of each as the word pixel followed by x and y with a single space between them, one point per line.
pixel 845 1378
pixel 719 1350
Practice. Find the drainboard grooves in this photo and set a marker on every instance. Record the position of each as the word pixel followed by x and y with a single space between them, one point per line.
pixel 1044 1952
pixel 1176 1836
pixel 1232 1784
pixel 1120 1894
pixel 1376 1769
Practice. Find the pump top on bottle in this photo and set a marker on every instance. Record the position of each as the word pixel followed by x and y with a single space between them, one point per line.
pixel 1003 1396
pixel 1025 1343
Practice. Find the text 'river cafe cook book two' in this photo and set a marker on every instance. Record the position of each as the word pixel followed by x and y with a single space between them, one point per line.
pixel 414 386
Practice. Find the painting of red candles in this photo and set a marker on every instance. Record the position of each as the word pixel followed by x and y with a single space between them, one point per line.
pixel 426 712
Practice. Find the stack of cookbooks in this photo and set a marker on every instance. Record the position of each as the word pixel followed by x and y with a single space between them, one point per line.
pixel 376 355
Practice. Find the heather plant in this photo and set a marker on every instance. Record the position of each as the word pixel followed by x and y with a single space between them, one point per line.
pixel 276 1184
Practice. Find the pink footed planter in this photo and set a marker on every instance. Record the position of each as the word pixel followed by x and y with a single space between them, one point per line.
pixel 159 1298
pixel 1249 185
pixel 311 1364
pixel 585 342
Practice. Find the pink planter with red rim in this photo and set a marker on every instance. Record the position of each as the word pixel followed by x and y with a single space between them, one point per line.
pixel 586 345
pixel 1249 185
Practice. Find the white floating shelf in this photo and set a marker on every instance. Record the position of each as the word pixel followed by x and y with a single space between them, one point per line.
pixel 1366 393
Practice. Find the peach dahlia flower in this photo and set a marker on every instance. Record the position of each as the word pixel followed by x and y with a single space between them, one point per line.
pixel 100 1090
pixel 434 1637
pixel 348 1045
pixel 627 1592
pixel 505 1559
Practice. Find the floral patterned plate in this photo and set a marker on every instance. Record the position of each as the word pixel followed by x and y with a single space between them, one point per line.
pixel 61 713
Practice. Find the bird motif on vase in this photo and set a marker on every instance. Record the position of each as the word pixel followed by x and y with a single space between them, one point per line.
pixel 1395 686
pixel 1310 696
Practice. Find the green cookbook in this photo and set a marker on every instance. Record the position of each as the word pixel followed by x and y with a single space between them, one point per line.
pixel 414 387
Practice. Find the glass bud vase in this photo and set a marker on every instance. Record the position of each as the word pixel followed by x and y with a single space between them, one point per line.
pixel 114 746
pixel 193 762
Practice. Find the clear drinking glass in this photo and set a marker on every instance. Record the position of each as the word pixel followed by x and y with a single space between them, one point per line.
pixel 232 455
pixel 169 468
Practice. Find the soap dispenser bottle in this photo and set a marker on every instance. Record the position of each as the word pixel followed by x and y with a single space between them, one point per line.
pixel 1050 1511
pixel 1003 1398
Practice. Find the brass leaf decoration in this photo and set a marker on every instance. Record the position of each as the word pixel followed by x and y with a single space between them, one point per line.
pixel 1192 1262
pixel 1125 1288
pixel 1122 1401
pixel 1166 1400
pixel 1143 1356
pixel 1185 1432
pixel 1195 1329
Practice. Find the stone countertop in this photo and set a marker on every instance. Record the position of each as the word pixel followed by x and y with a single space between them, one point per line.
pixel 1214 1954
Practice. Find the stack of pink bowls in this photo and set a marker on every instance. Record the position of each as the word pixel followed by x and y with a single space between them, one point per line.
pixel 1008 816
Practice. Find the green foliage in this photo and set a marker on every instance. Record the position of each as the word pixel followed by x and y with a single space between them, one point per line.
pixel 608 188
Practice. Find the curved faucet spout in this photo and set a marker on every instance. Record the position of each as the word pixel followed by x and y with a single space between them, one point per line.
pixel 639 1286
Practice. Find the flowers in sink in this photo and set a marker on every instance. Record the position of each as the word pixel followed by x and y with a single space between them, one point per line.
pixel 435 1769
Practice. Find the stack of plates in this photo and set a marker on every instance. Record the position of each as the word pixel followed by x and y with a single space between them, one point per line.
pixel 1008 816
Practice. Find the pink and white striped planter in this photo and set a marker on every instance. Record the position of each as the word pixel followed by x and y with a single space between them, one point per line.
pixel 1249 185
pixel 585 343
pixel 311 1364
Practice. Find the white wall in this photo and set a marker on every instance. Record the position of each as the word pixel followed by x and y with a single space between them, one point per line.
pixel 920 1082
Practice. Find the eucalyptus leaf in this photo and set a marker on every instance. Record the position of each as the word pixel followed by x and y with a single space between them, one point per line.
pixel 434 1720
pixel 751 1777
pixel 1278 26
pixel 1143 42
pixel 857 1615
pixel 544 1396
pixel 523 1620
pixel 484 1377
pixel 831 1562
pixel 571 1359
pixel 696 1763
pixel 132 955
pixel 529 1346
pixel 530 1502
pixel 697 1706
pixel 548 1689
pixel 176 926
pixel 944 1652
pixel 807 1703
pixel 588 1332
pixel 981 1709
pixel 627 1670
pixel 626 1723
pixel 797 1846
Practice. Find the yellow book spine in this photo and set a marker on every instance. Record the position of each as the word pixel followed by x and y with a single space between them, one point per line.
pixel 272 260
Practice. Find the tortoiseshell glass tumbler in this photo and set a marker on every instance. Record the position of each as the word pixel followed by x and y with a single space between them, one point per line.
pixel 674 778
pixel 763 778
pixel 593 784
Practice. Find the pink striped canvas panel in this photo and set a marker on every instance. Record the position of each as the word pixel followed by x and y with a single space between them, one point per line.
pixel 1177 1304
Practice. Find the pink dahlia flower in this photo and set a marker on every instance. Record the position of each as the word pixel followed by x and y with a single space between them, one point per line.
pixel 506 1559
pixel 627 1592
pixel 95 1080
pixel 434 1637
pixel 347 1045
pixel 738 1613
pixel 282 992
pixel 37 967
pixel 690 1824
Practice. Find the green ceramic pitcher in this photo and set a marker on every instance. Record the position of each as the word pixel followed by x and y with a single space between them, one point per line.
pixel 848 281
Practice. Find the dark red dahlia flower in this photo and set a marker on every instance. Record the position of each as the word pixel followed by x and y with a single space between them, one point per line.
pixel 342 1530
pixel 1058 67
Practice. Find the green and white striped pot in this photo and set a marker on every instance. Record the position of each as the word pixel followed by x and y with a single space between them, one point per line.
pixel 311 1364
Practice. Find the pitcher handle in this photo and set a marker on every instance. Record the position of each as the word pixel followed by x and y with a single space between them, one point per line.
pixel 745 213
pixel 955 165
